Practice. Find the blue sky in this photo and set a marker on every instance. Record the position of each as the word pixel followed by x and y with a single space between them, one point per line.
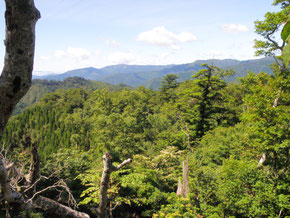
pixel 82 33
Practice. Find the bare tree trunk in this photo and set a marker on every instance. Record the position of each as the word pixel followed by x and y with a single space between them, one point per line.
pixel 183 187
pixel 107 170
pixel 185 182
pixel 21 17
pixel 262 160
pixel 179 187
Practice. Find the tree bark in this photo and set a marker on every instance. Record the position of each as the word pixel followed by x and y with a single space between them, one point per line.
pixel 15 80
pixel 107 170
pixel 34 171
pixel 183 187
pixel 185 182
pixel 54 207
pixel 179 187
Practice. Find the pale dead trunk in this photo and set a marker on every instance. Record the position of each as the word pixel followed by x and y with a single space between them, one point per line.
pixel 183 187
pixel 107 170
pixel 185 177
pixel 179 187
pixel 54 207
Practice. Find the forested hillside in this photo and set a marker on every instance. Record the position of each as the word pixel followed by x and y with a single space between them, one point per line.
pixel 41 87
pixel 202 147
pixel 222 129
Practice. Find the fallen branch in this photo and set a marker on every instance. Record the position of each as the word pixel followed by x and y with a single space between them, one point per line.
pixel 27 197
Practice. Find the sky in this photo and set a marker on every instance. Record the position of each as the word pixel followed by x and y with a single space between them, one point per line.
pixel 75 34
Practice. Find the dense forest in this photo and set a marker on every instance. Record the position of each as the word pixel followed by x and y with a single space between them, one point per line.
pixel 222 129
pixel 41 87
pixel 200 148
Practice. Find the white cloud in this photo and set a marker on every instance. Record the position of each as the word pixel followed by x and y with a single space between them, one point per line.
pixel 186 37
pixel 162 37
pixel 44 57
pixel 175 47
pixel 121 57
pixel 112 43
pixel 79 53
pixel 59 53
pixel 97 52
pixel 235 28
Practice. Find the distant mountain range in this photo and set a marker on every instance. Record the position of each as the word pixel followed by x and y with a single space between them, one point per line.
pixel 151 75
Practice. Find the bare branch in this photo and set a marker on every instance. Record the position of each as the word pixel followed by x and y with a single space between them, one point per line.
pixel 274 42
pixel 8 194
pixel 115 206
pixel 29 187
pixel 58 184
pixel 126 162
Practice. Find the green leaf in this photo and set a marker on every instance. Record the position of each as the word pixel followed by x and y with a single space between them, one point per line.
pixel 286 31
pixel 286 55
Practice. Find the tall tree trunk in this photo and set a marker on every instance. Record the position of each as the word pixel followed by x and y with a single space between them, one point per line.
pixel 15 80
pixel 183 187
pixel 185 182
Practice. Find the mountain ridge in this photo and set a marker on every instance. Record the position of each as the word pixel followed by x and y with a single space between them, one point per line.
pixel 137 75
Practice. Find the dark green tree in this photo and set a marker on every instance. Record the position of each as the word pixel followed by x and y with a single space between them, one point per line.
pixel 168 85
pixel 203 109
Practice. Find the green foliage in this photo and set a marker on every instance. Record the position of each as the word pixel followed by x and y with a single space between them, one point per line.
pixel 40 88
pixel 284 3
pixel 286 31
pixel 144 185
pixel 230 126
pixel 202 103
pixel 285 35
pixel 267 28
pixel 178 207
pixel 168 84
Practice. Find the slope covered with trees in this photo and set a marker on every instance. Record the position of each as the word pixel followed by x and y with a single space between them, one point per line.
pixel 228 142
pixel 222 128
pixel 40 88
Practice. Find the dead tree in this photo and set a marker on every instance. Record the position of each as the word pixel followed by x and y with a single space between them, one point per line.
pixel 20 189
pixel 108 169
pixel 183 187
